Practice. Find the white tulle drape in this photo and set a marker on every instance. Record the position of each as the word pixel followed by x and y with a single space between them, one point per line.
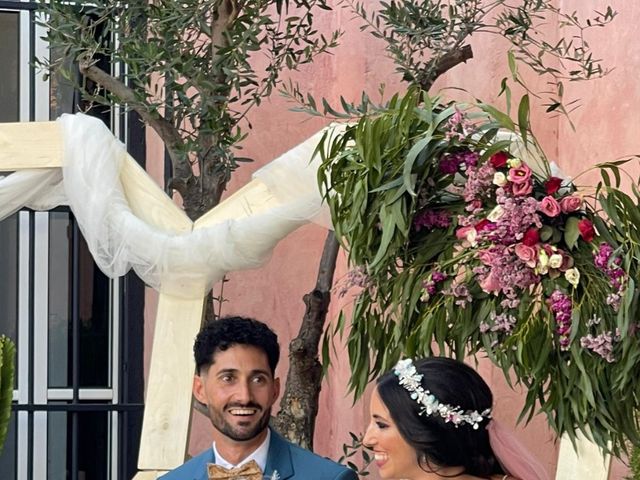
pixel 181 264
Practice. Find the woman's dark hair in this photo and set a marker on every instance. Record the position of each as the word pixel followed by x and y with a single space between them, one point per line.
pixel 219 335
pixel 437 443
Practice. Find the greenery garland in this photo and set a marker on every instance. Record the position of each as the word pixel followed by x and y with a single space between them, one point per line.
pixel 461 247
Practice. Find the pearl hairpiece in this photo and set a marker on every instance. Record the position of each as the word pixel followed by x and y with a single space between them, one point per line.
pixel 410 379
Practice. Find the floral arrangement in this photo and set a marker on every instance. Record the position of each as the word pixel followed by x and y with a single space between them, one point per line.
pixel 463 241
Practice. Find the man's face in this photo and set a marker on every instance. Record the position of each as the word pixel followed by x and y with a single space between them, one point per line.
pixel 238 390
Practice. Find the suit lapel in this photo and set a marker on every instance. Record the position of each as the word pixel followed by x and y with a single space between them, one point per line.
pixel 200 472
pixel 278 458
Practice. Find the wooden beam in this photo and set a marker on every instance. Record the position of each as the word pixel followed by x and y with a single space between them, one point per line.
pixel 253 198
pixel 167 412
pixel 149 475
pixel 149 202
pixel 30 145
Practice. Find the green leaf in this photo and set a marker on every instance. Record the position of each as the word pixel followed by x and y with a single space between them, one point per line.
pixel 546 232
pixel 502 118
pixel 407 177
pixel 571 232
pixel 7 366
pixel 523 117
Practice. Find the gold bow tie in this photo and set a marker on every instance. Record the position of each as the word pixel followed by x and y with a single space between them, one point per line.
pixel 248 471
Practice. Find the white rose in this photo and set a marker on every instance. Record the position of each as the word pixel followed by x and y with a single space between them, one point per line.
pixel 555 260
pixel 514 162
pixel 471 236
pixel 495 214
pixel 499 179
pixel 573 276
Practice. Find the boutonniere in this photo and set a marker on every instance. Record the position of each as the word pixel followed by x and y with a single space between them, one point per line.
pixel 274 476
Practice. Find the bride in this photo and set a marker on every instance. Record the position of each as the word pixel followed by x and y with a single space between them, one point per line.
pixel 432 420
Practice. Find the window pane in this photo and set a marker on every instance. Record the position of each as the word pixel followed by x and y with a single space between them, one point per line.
pixel 9 73
pixel 94 322
pixel 93 445
pixel 93 310
pixel 8 454
pixel 59 300
pixel 9 278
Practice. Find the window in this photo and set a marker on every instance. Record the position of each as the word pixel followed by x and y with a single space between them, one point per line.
pixel 78 392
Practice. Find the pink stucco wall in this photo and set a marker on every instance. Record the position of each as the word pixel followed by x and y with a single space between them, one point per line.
pixel 605 129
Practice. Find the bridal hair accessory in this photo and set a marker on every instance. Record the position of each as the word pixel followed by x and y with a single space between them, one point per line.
pixel 410 379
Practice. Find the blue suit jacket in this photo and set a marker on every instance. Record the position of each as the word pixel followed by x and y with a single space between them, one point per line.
pixel 289 460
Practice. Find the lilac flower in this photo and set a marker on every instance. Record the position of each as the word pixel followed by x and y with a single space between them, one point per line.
pixel 479 182
pixel 463 159
pixel 503 322
pixel 430 219
pixel 438 276
pixel 610 266
pixel 601 344
pixel 519 215
pixel 503 272
pixel 458 126
pixel 430 286
pixel 461 293
pixel 356 277
pixel 560 305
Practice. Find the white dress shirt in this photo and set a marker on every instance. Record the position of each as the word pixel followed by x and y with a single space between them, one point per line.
pixel 259 455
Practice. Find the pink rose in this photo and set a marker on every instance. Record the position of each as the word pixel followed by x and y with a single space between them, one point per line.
pixel 567 263
pixel 462 232
pixel 527 254
pixel 522 174
pixel 521 189
pixel 490 284
pixel 570 204
pixel 549 206
pixel 486 257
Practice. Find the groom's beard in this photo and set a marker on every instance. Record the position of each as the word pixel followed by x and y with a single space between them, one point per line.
pixel 240 430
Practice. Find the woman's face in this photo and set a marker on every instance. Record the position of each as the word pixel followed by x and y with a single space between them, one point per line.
pixel 393 455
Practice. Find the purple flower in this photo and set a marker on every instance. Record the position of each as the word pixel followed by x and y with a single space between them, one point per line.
pixel 601 344
pixel 430 219
pixel 356 277
pixel 438 276
pixel 610 266
pixel 560 305
pixel 452 162
pixel 458 126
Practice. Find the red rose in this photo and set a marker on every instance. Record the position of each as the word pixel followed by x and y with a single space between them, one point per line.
pixel 482 225
pixel 531 237
pixel 552 185
pixel 587 232
pixel 499 160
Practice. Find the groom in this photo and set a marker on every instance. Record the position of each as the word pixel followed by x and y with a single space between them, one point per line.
pixel 236 359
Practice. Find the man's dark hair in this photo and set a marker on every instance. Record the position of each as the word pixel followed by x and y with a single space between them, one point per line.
pixel 219 335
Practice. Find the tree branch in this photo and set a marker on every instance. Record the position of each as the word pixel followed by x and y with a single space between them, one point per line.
pixel 299 404
pixel 167 131
pixel 446 63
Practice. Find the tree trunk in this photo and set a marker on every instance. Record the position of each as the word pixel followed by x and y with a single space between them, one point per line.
pixel 299 404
